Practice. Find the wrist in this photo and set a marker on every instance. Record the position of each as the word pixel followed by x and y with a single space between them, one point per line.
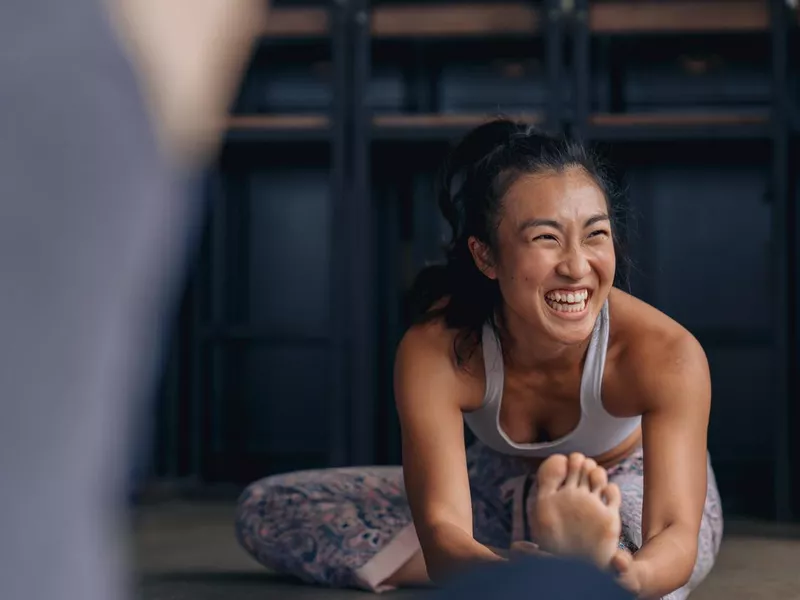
pixel 642 569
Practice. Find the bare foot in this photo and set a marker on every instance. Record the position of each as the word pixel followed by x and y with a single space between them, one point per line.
pixel 577 510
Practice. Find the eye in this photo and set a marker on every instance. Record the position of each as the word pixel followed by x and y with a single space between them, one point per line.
pixel 599 232
pixel 545 236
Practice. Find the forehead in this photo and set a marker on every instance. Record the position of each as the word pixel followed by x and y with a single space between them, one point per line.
pixel 566 196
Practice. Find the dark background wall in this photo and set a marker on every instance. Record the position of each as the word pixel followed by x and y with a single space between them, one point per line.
pixel 321 209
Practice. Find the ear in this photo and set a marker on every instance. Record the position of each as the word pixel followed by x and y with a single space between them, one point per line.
pixel 482 256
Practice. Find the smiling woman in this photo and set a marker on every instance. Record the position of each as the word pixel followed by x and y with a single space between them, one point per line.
pixel 572 388
pixel 532 221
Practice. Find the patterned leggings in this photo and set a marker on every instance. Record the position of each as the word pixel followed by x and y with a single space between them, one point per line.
pixel 352 527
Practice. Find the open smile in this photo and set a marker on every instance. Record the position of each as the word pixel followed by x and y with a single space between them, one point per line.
pixel 568 304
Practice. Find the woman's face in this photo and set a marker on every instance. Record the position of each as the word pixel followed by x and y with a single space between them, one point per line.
pixel 555 258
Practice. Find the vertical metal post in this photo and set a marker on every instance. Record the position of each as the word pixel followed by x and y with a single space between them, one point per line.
pixel 783 280
pixel 362 250
pixel 338 325
pixel 198 298
pixel 581 40
pixel 552 30
pixel 171 419
pixel 218 252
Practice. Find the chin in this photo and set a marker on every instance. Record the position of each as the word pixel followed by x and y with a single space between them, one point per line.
pixel 571 336
pixel 570 327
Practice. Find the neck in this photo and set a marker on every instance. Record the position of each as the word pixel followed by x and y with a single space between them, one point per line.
pixel 527 349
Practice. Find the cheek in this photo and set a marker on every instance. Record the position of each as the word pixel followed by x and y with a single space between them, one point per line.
pixel 606 262
pixel 525 271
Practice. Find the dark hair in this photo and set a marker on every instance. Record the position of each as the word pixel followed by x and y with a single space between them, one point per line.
pixel 471 186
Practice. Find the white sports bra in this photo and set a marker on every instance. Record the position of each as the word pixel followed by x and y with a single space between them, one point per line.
pixel 597 431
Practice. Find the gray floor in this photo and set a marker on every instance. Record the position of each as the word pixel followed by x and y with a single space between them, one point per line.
pixel 188 552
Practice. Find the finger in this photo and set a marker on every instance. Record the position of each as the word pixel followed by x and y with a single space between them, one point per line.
pixel 524 547
pixel 621 561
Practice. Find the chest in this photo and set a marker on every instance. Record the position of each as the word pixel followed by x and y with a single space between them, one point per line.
pixel 540 408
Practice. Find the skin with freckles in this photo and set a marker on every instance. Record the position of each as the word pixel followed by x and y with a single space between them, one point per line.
pixel 553 236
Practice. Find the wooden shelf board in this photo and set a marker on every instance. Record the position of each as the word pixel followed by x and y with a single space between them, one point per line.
pixel 297 23
pixel 283 122
pixel 520 18
pixel 669 120
pixel 679 16
pixel 664 127
pixel 445 120
pixel 432 127
pixel 469 19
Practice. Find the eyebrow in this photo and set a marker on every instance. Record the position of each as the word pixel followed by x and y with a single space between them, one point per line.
pixel 556 225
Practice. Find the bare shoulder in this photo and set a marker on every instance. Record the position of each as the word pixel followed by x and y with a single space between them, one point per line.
pixel 650 353
pixel 426 367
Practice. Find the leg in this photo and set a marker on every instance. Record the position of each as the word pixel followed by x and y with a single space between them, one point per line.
pixel 90 234
pixel 337 527
pixel 368 539
pixel 627 479
pixel 629 476
pixel 541 578
pixel 93 230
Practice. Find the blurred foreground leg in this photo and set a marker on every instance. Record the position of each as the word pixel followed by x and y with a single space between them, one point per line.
pixel 93 230
pixel 540 578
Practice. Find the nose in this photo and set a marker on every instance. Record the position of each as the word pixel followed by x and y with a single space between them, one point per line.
pixel 574 264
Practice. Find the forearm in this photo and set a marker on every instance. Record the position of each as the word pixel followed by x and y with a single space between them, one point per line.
pixel 449 550
pixel 666 561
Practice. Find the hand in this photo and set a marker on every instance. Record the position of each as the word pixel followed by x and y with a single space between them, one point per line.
pixel 628 571
pixel 526 549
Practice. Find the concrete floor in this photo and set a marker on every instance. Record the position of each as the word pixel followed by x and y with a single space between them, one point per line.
pixel 188 552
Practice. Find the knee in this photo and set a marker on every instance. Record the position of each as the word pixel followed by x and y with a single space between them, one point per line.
pixel 257 496
pixel 255 506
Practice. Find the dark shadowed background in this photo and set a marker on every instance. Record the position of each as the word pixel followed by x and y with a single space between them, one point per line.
pixel 322 208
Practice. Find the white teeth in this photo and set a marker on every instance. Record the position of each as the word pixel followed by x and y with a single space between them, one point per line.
pixel 571 297
pixel 572 302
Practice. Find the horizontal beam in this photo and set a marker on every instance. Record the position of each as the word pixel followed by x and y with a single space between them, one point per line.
pixel 678 16
pixel 431 20
pixel 658 127
pixel 297 23
pixel 665 119
pixel 432 126
pixel 455 20
pixel 256 128
pixel 413 127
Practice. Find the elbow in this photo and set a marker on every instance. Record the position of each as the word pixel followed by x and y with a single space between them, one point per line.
pixel 688 566
pixel 448 550
pixel 685 567
pixel 438 571
pixel 439 564
pixel 682 564
pixel 438 560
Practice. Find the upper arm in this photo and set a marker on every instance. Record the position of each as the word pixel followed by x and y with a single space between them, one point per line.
pixel 673 382
pixel 429 393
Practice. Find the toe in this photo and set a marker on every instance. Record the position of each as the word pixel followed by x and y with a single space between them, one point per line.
pixel 589 465
pixel 612 495
pixel 552 473
pixel 576 461
pixel 598 479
